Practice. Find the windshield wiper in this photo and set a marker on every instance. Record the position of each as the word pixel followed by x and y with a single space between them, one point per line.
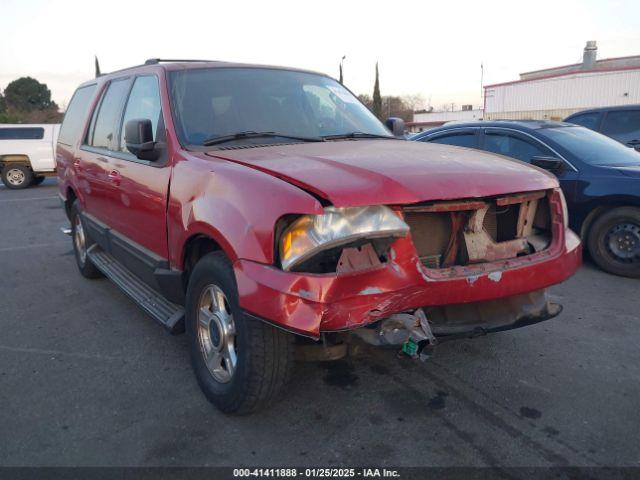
pixel 359 135
pixel 251 134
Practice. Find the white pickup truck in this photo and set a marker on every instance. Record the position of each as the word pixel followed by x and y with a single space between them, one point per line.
pixel 27 153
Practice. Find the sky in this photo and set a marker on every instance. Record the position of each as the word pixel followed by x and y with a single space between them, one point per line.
pixel 430 48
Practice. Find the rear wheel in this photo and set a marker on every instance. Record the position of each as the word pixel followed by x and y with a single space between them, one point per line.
pixel 81 243
pixel 614 241
pixel 16 176
pixel 241 364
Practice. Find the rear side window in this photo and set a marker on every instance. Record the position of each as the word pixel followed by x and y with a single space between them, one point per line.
pixel 76 115
pixel 465 139
pixel 514 147
pixel 623 125
pixel 20 133
pixel 105 122
pixel 144 102
pixel 589 120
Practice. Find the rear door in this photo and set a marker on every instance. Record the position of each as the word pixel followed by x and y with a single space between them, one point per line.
pixel 623 126
pixel 94 158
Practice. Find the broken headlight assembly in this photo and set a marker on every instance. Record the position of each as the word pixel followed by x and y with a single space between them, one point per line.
pixel 309 235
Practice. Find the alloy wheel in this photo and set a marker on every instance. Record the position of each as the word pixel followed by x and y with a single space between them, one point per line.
pixel 217 333
pixel 79 240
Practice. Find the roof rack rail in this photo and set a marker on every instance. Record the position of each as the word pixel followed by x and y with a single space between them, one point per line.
pixel 155 61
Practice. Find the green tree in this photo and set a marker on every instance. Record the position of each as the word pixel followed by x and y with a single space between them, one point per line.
pixel 377 99
pixel 26 100
pixel 26 94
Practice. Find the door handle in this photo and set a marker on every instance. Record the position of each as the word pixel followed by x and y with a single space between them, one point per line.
pixel 115 177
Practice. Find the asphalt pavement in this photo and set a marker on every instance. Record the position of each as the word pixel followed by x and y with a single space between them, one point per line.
pixel 86 378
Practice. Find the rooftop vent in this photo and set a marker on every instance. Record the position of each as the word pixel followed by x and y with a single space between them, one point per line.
pixel 589 55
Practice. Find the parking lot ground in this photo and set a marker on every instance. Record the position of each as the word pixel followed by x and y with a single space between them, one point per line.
pixel 86 378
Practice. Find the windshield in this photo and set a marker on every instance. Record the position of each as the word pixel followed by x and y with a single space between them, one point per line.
pixel 592 147
pixel 213 102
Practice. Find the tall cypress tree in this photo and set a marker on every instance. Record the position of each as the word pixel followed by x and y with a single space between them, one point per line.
pixel 377 99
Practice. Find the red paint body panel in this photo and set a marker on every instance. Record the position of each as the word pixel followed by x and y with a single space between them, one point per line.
pixel 310 304
pixel 236 197
pixel 374 172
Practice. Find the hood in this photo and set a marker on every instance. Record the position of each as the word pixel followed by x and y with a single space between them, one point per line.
pixel 371 172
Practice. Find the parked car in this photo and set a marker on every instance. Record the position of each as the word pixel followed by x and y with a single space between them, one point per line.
pixel 600 179
pixel 27 153
pixel 620 123
pixel 262 208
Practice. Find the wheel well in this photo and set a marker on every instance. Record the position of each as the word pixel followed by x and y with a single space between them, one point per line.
pixel 196 248
pixel 18 159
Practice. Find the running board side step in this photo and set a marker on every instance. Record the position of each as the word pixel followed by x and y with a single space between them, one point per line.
pixel 155 305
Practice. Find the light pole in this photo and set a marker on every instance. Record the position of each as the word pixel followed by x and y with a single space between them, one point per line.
pixel 341 62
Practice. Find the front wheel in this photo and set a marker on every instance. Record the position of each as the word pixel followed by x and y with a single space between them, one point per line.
pixel 16 177
pixel 614 241
pixel 241 364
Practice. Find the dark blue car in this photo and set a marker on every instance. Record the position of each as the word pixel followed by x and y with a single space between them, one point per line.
pixel 600 179
pixel 621 123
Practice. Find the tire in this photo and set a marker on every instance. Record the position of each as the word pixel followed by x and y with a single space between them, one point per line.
pixel 37 180
pixel 17 177
pixel 614 241
pixel 81 243
pixel 263 354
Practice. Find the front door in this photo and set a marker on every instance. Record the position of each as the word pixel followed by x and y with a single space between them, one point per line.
pixel 139 207
pixel 525 148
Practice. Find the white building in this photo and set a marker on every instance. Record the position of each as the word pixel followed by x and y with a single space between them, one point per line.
pixel 552 93
pixel 555 93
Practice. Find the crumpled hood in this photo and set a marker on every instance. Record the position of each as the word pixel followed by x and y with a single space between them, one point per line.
pixel 371 172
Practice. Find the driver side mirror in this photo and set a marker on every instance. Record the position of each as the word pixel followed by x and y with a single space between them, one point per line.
pixel 395 125
pixel 138 137
pixel 551 164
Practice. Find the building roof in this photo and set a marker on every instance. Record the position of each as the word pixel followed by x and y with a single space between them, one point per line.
pixel 564 74
pixel 589 65
pixel 606 64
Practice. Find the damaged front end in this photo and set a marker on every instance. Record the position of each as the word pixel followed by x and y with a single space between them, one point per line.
pixel 447 269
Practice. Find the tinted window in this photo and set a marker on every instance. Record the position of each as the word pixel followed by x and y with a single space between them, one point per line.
pixel 103 132
pixel 514 147
pixel 221 101
pixel 592 147
pixel 589 120
pixel 21 133
pixel 467 139
pixel 144 102
pixel 76 115
pixel 623 125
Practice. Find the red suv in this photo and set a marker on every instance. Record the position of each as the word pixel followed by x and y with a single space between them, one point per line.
pixel 266 208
